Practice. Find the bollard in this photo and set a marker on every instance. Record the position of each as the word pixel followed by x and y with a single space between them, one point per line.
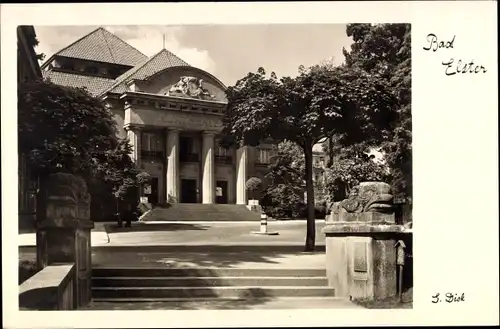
pixel 263 226
pixel 263 223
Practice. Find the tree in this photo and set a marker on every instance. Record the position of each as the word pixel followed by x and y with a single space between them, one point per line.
pixel 64 129
pixel 285 181
pixel 304 110
pixel 253 184
pixel 385 50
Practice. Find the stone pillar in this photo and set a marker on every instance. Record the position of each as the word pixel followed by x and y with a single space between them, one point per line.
pixel 241 175
pixel 172 148
pixel 208 168
pixel 361 236
pixel 134 136
pixel 63 234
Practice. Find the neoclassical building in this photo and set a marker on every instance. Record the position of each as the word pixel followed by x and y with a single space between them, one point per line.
pixel 170 111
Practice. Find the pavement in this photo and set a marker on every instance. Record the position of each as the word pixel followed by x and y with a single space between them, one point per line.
pixel 210 233
pixel 99 237
pixel 144 234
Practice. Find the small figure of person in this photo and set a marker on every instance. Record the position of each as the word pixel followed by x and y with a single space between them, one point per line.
pixel 125 213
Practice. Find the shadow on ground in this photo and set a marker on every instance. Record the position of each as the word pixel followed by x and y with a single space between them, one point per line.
pixel 228 304
pixel 143 227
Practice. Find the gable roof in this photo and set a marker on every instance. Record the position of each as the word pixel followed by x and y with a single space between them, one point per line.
pixel 156 63
pixel 101 45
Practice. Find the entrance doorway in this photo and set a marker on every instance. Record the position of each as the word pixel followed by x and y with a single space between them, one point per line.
pixel 221 192
pixel 188 191
pixel 153 197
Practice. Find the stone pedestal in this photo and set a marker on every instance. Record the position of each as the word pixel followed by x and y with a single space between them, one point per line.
pixel 361 249
pixel 63 236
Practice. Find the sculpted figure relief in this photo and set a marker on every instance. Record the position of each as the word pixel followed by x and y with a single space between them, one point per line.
pixel 366 197
pixel 190 86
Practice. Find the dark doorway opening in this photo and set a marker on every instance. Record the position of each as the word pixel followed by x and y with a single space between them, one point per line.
pixel 221 192
pixel 188 191
pixel 153 197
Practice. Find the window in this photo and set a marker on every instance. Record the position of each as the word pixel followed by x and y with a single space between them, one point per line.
pixel 152 146
pixel 264 156
pixel 187 151
pixel 92 70
pixel 223 155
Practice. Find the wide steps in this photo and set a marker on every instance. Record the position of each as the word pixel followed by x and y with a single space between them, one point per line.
pixel 169 284
pixel 196 292
pixel 205 272
pixel 202 212
pixel 206 281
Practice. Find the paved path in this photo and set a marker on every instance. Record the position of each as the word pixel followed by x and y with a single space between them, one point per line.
pixel 210 233
pixel 98 238
pixel 194 233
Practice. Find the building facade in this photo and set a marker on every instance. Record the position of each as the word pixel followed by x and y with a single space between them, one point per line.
pixel 170 111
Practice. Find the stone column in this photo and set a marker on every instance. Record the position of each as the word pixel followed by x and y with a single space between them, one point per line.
pixel 63 233
pixel 172 148
pixel 241 175
pixel 134 136
pixel 208 168
pixel 361 236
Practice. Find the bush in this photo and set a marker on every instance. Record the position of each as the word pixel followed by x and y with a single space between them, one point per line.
pixel 253 184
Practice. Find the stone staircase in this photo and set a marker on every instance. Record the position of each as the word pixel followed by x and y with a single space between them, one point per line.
pixel 174 286
pixel 202 212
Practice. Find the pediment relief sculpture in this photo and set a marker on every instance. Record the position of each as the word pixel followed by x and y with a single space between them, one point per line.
pixel 191 87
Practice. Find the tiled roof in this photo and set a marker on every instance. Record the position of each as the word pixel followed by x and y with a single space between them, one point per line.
pixel 94 85
pixel 157 63
pixel 103 46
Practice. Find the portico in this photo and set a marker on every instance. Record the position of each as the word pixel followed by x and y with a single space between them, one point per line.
pixel 177 142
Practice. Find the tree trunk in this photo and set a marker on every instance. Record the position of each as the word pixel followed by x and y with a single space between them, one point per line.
pixel 330 151
pixel 311 221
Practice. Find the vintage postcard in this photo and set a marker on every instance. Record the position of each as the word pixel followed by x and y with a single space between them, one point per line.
pixel 256 164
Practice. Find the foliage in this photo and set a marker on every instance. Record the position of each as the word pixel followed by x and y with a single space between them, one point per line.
pixel 305 109
pixel 253 183
pixel 352 165
pixel 64 129
pixel 385 50
pixel 32 41
pixel 285 181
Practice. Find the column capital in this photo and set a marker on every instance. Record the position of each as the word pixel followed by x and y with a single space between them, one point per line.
pixel 130 127
pixel 209 133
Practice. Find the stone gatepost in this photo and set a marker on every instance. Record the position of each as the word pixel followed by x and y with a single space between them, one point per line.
pixel 361 235
pixel 63 234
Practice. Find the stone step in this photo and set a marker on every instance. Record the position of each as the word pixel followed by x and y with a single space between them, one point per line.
pixel 206 272
pixel 225 303
pixel 206 281
pixel 214 292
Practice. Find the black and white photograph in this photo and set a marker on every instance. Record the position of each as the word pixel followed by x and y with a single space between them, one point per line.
pixel 238 167
pixel 162 170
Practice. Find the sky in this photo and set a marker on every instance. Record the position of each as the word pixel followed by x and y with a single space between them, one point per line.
pixel 228 52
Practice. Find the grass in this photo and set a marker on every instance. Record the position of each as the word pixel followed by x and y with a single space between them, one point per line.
pixel 388 303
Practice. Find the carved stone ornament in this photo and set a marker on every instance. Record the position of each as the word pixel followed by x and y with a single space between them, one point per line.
pixel 67 198
pixel 366 197
pixel 191 87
